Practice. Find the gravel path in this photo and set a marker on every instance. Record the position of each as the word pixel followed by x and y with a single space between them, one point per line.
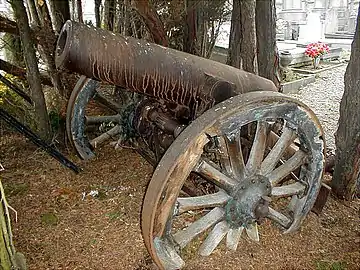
pixel 323 97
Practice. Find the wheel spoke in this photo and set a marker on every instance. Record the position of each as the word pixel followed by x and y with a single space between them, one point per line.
pixel 285 169
pixel 214 238
pixel 199 202
pixel 209 171
pixel 185 236
pixel 105 136
pixel 279 218
pixel 233 238
pixel 253 232
pixel 91 120
pixel 288 190
pixel 232 157
pixel 287 137
pixel 258 148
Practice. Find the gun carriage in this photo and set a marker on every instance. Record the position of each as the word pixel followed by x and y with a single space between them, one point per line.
pixel 229 150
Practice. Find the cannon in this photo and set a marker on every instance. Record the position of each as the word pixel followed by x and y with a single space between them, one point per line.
pixel 229 151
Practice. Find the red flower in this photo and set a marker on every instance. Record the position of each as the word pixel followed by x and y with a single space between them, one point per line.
pixel 316 49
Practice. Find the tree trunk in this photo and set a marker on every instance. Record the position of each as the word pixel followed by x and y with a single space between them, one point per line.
pixel 267 55
pixel 6 253
pixel 152 21
pixel 79 11
pixel 61 13
pixel 242 43
pixel 234 57
pixel 109 16
pixel 345 180
pixel 97 13
pixel 33 11
pixel 124 20
pixel 73 10
pixel 47 41
pixel 9 258
pixel 194 27
pixel 33 75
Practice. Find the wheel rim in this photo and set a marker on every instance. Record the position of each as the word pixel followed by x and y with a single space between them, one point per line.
pixel 78 118
pixel 244 184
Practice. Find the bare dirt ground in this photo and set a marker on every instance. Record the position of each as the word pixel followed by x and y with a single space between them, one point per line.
pixel 59 228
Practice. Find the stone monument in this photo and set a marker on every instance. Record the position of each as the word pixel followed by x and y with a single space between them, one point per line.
pixel 312 31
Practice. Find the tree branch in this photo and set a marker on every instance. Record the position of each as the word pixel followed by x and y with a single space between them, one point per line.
pixel 21 72
pixel 8 26
pixel 152 21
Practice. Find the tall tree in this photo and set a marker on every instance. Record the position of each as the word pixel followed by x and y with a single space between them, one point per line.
pixel 194 25
pixel 109 16
pixel 79 11
pixel 33 11
pixel 97 13
pixel 267 55
pixel 242 42
pixel 61 12
pixel 33 75
pixel 124 18
pixel 346 178
pixel 46 46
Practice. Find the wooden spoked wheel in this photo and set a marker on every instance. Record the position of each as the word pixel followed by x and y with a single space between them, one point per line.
pixel 92 117
pixel 263 155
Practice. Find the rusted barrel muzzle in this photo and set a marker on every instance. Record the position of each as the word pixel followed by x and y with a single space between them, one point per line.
pixel 151 69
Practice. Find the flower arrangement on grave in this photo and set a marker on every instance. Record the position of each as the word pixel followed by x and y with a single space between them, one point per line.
pixel 315 50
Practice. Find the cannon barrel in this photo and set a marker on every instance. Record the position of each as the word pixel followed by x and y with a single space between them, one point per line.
pixel 151 69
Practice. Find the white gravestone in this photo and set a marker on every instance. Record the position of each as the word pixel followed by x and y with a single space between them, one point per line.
pixel 311 31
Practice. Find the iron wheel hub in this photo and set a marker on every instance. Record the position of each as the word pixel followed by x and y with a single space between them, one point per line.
pixel 249 202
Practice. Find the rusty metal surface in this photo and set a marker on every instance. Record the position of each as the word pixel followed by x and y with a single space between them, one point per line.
pixel 151 69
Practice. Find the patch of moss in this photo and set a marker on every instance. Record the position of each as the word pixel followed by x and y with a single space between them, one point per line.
pixel 324 265
pixel 114 215
pixel 289 76
pixel 49 219
pixel 13 189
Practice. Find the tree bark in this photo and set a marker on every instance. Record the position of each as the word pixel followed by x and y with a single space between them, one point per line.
pixel 9 258
pixel 33 75
pixel 152 21
pixel 234 57
pixel 345 182
pixel 97 13
pixel 267 55
pixel 242 42
pixel 109 15
pixel 79 11
pixel 124 22
pixel 194 28
pixel 61 13
pixel 33 11
pixel 46 48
